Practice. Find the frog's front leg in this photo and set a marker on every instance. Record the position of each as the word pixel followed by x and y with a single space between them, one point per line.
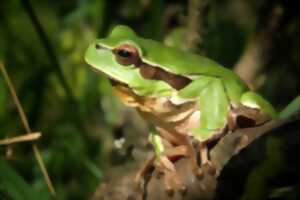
pixel 214 106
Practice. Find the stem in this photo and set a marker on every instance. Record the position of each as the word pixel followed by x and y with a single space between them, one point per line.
pixel 257 51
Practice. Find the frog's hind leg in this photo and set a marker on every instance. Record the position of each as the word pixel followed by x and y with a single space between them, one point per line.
pixel 252 111
pixel 253 100
pixel 244 117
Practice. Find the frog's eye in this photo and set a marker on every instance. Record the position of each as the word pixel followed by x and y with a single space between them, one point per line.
pixel 98 46
pixel 127 55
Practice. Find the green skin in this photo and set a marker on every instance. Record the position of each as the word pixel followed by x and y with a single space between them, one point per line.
pixel 215 88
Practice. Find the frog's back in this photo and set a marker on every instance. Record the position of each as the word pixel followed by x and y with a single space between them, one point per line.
pixel 169 58
pixel 182 62
pixel 192 65
pixel 175 60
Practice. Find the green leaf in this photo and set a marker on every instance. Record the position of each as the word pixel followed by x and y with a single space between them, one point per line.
pixel 15 187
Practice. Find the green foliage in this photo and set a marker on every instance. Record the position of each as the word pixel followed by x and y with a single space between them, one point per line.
pixel 291 109
pixel 13 186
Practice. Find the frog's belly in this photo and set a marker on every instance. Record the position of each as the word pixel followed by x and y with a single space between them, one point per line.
pixel 162 112
pixel 179 119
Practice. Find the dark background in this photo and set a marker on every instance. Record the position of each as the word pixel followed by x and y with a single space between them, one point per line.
pixel 42 44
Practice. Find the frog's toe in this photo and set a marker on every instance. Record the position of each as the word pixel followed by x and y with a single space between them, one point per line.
pixel 169 187
pixel 173 183
pixel 198 172
pixel 170 191
pixel 159 175
pixel 211 169
pixel 138 180
pixel 183 190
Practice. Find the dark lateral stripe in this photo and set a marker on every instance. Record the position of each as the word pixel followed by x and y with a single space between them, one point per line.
pixel 154 73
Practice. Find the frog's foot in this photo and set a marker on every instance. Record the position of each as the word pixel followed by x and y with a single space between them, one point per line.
pixel 165 169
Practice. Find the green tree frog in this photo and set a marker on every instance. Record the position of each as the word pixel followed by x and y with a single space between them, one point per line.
pixel 190 99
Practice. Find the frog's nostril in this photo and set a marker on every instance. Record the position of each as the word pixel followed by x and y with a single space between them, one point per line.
pixel 98 46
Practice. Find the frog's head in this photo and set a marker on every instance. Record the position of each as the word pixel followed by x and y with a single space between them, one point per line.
pixel 122 56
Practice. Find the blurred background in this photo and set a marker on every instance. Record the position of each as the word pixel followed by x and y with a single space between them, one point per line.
pixel 42 44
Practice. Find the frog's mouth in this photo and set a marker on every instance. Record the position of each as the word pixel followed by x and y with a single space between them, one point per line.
pixel 115 82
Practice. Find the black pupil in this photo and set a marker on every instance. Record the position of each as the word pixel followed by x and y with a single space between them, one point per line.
pixel 98 46
pixel 124 53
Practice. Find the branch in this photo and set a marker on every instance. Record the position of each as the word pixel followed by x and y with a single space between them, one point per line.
pixel 119 185
pixel 257 51
pixel 227 147
pixel 197 11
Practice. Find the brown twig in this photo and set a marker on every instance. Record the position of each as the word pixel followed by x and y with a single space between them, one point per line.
pixel 197 11
pixel 27 128
pixel 256 53
pixel 22 138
